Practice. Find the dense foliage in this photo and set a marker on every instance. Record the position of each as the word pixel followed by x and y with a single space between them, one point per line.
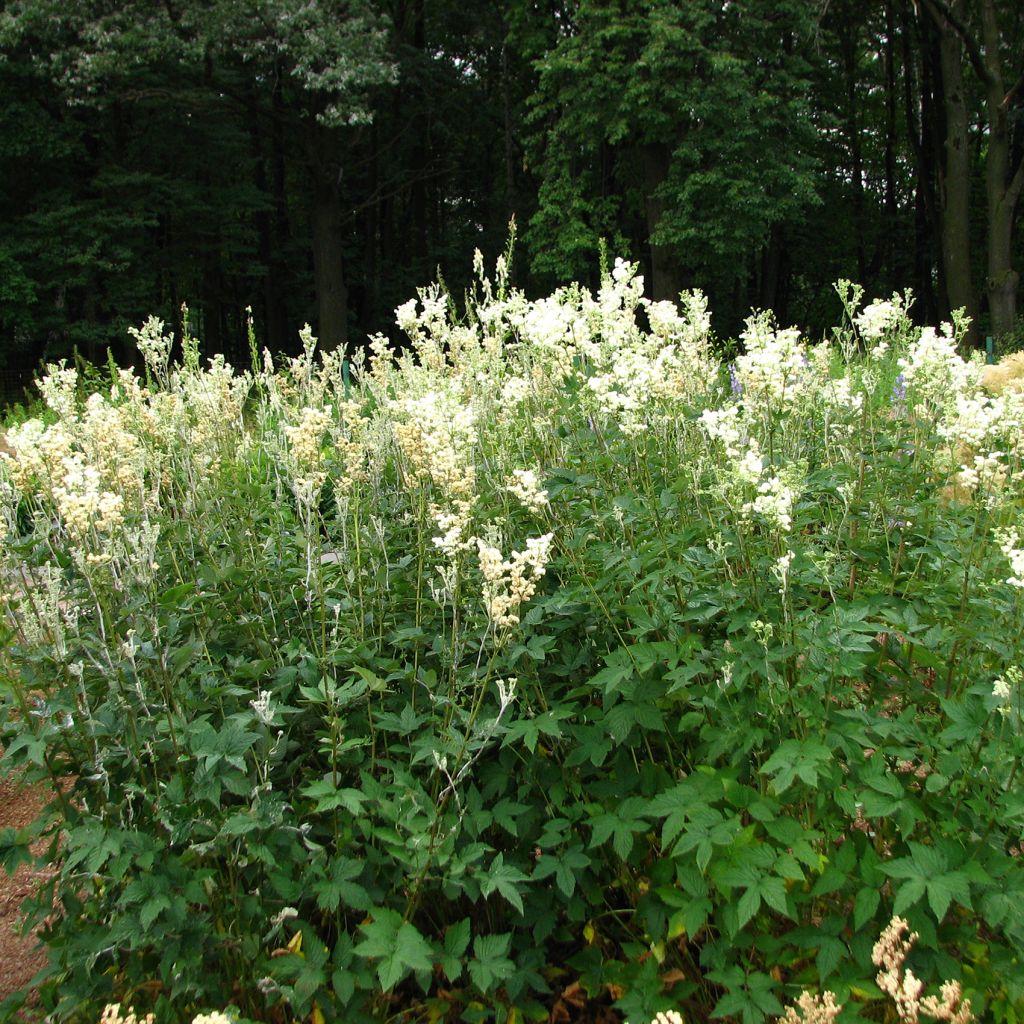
pixel 551 661
pixel 316 162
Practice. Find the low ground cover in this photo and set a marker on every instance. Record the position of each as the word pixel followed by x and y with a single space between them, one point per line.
pixel 554 655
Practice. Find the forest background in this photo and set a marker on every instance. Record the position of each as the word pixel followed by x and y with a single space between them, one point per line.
pixel 318 161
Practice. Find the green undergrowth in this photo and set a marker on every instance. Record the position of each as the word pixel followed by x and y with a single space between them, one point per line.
pixel 550 657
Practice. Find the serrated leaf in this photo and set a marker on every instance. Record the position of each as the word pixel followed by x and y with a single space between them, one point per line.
pixel 830 954
pixel 456 942
pixel 152 907
pixel 396 945
pixel 773 892
pixel 748 905
pixel 944 889
pixel 864 906
pixel 909 893
pixel 504 879
pixel 490 963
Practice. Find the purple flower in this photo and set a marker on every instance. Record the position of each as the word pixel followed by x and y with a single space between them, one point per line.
pixel 899 389
pixel 734 381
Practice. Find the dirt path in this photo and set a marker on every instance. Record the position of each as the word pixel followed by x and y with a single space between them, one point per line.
pixel 19 957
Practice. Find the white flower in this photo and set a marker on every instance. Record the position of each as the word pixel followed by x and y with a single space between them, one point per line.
pixel 263 707
pixel 934 369
pixel 774 503
pixel 510 583
pixel 751 465
pixel 1008 541
pixel 878 317
pixel 780 570
pixel 524 485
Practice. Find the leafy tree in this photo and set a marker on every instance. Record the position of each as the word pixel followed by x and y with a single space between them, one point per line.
pixel 309 69
pixel 685 129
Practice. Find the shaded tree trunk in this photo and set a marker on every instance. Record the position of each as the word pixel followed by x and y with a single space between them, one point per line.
pixel 887 237
pixel 328 263
pixel 1003 183
pixel 773 293
pixel 920 83
pixel 848 49
pixel 665 279
pixel 271 225
pixel 955 180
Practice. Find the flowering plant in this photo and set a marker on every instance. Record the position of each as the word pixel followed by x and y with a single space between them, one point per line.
pixel 549 661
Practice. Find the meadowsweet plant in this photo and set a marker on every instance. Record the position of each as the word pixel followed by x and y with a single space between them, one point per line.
pixel 545 661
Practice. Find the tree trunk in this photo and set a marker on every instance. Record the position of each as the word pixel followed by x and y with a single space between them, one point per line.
pixel 774 265
pixel 271 224
pixel 887 244
pixel 955 182
pixel 328 265
pixel 919 82
pixel 665 282
pixel 848 46
pixel 1002 184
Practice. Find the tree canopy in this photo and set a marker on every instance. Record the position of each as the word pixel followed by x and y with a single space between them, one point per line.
pixel 317 161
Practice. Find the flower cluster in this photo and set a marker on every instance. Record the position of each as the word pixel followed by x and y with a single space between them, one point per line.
pixel 82 505
pixel 1008 540
pixel 774 503
pixel 774 370
pixel 436 432
pixel 154 345
pixel 890 954
pixel 813 1009
pixel 454 525
pixel 510 583
pixel 934 370
pixel 880 320
pixel 525 485
pixel 112 1014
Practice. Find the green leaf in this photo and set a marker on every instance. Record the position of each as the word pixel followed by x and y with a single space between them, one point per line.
pixel 943 889
pixel 504 879
pixel 831 952
pixel 152 908
pixel 490 963
pixel 396 945
pixel 909 893
pixel 338 887
pixel 748 905
pixel 619 825
pixel 864 906
pixel 14 849
pixel 796 759
pixel 456 942
pixel 329 798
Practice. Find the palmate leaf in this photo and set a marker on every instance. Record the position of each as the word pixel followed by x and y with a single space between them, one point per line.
pixel 926 871
pixel 456 942
pixel 750 996
pixel 564 867
pixel 796 759
pixel 490 961
pixel 505 879
pixel 339 887
pixel 529 730
pixel 397 947
pixel 619 826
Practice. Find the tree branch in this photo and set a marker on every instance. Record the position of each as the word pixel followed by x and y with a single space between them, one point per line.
pixel 1012 94
pixel 1013 190
pixel 941 11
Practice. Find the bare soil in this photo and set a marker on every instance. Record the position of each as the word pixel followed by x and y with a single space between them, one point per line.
pixel 20 956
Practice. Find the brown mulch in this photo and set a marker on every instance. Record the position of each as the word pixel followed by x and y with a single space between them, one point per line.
pixel 20 957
